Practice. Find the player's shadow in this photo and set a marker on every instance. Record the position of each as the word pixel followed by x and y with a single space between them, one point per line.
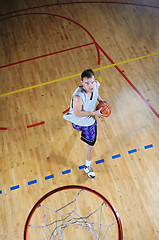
pixel 62 157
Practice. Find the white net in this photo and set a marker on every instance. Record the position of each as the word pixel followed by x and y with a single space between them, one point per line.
pixel 73 214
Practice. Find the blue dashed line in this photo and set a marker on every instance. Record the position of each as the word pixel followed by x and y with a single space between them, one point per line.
pixel 116 156
pixel 32 182
pixel 148 146
pixel 49 177
pixel 99 161
pixel 132 151
pixel 67 171
pixel 14 187
pixel 81 167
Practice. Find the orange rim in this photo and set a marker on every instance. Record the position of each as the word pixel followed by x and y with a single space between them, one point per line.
pixel 118 221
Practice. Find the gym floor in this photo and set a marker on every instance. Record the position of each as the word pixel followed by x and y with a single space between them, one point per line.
pixel 45 45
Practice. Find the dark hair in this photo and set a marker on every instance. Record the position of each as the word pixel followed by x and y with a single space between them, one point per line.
pixel 87 73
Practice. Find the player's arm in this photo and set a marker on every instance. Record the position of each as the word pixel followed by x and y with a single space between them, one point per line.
pixel 100 99
pixel 77 108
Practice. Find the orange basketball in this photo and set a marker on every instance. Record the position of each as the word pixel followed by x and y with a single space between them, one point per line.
pixel 106 108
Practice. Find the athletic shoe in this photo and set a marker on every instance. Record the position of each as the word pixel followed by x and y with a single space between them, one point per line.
pixel 89 171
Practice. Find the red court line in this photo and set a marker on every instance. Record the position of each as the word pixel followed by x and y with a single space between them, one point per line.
pixel 130 83
pixel 3 128
pixel 66 111
pixel 98 53
pixel 71 3
pixel 46 55
pixel 68 19
pixel 37 124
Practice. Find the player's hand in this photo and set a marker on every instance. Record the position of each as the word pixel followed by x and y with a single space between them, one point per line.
pixel 99 114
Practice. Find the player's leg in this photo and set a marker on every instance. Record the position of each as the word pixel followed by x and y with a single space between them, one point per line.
pixel 88 135
pixel 88 155
pixel 88 152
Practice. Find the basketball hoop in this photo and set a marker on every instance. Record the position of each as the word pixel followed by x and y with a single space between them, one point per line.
pixel 73 212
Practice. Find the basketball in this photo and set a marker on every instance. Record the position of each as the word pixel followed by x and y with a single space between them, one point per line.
pixel 106 108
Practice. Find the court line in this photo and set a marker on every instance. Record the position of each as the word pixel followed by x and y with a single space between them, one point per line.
pixel 148 146
pixel 132 151
pixel 14 187
pixel 78 74
pixel 128 81
pixel 80 167
pixel 49 177
pixel 83 2
pixel 36 124
pixel 68 19
pixel 66 110
pixel 45 55
pixel 126 61
pixel 32 182
pixel 100 79
pixel 116 156
pixel 99 161
pixel 98 48
pixel 3 128
pixel 66 171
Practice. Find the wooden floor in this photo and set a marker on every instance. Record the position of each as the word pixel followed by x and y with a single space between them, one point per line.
pixel 53 44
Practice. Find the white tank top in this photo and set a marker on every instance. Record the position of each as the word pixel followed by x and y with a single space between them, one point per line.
pixel 88 106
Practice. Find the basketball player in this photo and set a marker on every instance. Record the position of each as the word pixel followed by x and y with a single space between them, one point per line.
pixel 82 114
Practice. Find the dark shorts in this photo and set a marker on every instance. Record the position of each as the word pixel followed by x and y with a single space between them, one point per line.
pixel 89 133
